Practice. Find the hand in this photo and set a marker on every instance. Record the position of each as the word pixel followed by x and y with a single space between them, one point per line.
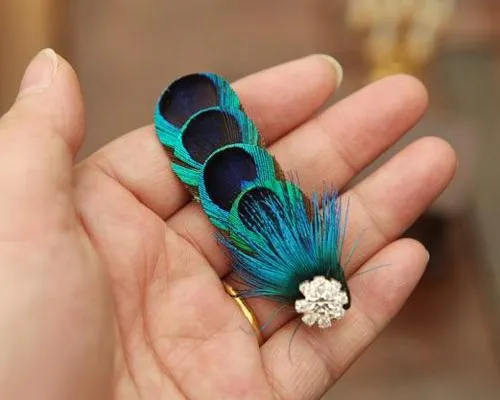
pixel 110 279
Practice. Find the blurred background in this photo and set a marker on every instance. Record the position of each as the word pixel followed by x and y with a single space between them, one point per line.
pixel 445 342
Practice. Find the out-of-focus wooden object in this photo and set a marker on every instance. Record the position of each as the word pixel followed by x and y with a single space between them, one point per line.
pixel 400 36
pixel 26 26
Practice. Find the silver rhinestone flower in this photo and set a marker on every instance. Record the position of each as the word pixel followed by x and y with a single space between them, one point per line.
pixel 323 302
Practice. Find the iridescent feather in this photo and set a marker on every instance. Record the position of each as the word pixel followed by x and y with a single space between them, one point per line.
pixel 185 97
pixel 284 246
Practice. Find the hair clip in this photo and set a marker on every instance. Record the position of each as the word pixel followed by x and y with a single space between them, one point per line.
pixel 283 245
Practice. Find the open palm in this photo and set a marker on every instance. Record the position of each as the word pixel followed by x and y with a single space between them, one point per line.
pixel 126 296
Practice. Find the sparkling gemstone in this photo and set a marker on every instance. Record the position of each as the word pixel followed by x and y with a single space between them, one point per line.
pixel 324 322
pixel 309 319
pixel 303 306
pixel 304 287
pixel 323 301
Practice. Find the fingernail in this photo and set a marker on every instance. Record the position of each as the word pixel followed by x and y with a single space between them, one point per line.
pixel 428 258
pixel 40 72
pixel 339 71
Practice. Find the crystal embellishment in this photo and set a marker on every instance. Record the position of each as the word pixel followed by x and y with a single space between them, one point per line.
pixel 323 301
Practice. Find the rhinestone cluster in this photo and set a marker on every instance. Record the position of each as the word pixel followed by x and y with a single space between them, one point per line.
pixel 323 302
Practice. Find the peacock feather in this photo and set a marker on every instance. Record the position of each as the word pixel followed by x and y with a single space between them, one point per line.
pixel 185 97
pixel 284 246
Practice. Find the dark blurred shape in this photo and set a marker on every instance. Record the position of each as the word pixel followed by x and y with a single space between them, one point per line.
pixel 431 230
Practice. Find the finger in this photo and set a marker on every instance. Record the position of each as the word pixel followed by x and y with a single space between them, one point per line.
pixel 138 161
pixel 342 141
pixel 318 358
pixel 384 205
pixel 331 148
pixel 388 201
pixel 49 104
pixel 51 281
pixel 270 98
pixel 39 136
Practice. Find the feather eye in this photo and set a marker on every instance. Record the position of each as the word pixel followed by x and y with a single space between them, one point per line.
pixel 243 226
pixel 185 97
pixel 206 132
pixel 211 129
pixel 227 172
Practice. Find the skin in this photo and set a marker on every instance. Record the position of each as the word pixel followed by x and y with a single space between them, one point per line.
pixel 110 279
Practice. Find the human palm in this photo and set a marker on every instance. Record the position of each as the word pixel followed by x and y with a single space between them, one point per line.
pixel 118 277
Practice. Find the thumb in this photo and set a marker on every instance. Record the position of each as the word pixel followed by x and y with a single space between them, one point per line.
pixel 55 315
pixel 49 104
pixel 39 137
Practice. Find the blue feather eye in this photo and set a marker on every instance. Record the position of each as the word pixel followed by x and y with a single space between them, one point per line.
pixel 185 97
pixel 203 134
pixel 246 224
pixel 210 129
pixel 283 245
pixel 227 172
